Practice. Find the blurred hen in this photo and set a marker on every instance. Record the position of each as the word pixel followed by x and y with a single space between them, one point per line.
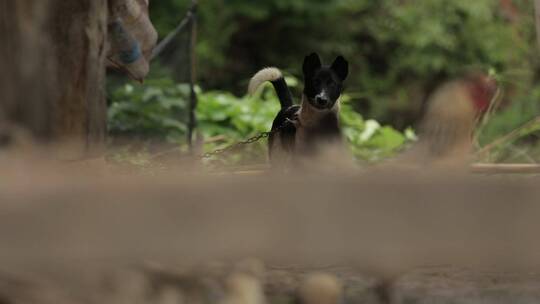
pixel 452 114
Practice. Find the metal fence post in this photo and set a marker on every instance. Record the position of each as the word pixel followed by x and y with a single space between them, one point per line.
pixel 192 121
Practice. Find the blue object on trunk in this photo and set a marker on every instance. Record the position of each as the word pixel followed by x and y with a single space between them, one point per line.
pixel 128 48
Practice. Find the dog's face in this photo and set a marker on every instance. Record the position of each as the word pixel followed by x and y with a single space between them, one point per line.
pixel 324 84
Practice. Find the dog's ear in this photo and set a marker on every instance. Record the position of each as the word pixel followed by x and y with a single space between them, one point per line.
pixel 312 62
pixel 341 67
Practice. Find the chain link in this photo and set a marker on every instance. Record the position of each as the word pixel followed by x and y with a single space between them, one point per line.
pixel 236 145
pixel 248 141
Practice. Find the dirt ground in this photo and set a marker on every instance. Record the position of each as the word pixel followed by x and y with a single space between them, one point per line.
pixel 73 234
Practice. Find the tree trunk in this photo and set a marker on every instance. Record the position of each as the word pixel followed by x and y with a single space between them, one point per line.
pixel 27 70
pixel 78 31
pixel 53 72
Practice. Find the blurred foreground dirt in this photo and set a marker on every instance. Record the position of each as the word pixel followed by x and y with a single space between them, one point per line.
pixel 73 234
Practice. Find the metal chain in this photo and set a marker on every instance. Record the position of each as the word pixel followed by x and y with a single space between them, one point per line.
pixel 248 141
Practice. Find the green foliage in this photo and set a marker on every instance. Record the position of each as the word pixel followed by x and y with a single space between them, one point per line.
pixel 510 118
pixel 226 119
pixel 153 110
pixel 222 113
pixel 223 119
pixel 410 46
pixel 512 135
pixel 369 141
pixel 398 49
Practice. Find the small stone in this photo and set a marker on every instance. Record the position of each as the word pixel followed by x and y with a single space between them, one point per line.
pixel 320 288
pixel 244 289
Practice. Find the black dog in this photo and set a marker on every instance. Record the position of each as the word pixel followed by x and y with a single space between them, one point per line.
pixel 300 130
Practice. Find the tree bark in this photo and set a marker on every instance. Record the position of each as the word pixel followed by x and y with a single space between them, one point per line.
pixel 27 70
pixel 78 31
pixel 53 70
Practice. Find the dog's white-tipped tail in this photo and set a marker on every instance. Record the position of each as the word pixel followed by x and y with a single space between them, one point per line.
pixel 262 76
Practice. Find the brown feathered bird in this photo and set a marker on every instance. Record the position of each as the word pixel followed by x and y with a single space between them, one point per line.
pixel 452 113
